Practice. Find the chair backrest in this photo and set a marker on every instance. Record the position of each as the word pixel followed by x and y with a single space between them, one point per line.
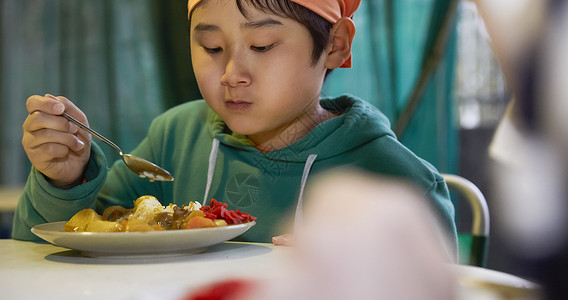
pixel 473 247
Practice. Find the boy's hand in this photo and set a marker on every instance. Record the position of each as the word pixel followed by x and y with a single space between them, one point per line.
pixel 286 240
pixel 55 146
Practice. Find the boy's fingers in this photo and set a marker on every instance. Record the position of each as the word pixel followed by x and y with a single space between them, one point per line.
pixel 49 105
pixel 40 109
pixel 41 120
pixel 283 240
pixel 46 138
pixel 54 106
pixel 48 152
pixel 71 108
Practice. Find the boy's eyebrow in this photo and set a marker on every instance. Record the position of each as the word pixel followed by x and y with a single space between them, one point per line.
pixel 248 25
pixel 205 27
pixel 261 23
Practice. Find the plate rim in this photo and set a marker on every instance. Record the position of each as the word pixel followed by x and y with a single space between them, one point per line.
pixel 96 244
pixel 37 228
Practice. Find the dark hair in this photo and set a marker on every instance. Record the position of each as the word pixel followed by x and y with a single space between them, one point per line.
pixel 318 27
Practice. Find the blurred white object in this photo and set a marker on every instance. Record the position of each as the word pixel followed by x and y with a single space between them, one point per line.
pixel 508 138
pixel 529 180
pixel 513 26
pixel 530 176
pixel 365 238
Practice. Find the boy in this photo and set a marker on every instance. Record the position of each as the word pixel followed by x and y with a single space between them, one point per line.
pixel 261 130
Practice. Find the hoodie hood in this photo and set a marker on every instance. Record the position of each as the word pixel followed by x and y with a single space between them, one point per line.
pixel 358 123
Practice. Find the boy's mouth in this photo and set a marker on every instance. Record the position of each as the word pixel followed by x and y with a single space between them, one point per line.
pixel 237 105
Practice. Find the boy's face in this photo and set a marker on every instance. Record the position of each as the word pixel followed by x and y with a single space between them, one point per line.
pixel 256 73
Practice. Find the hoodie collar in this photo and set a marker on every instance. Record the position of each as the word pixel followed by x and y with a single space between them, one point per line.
pixel 358 123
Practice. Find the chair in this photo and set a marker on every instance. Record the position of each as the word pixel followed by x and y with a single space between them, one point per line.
pixel 473 247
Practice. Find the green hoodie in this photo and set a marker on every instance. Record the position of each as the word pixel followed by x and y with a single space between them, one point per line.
pixel 208 161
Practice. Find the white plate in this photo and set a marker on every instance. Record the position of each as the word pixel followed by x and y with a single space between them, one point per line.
pixel 136 244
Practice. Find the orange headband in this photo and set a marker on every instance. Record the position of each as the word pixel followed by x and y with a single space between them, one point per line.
pixel 331 10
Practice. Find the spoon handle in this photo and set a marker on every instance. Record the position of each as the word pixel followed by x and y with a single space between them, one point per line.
pixel 85 127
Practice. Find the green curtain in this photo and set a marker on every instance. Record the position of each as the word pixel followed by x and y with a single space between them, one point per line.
pixel 125 61
pixel 404 50
pixel 121 61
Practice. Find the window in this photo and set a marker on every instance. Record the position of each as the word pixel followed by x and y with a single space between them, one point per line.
pixel 481 93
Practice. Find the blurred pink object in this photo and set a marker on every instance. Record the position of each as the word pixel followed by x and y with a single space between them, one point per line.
pixel 364 237
pixel 283 240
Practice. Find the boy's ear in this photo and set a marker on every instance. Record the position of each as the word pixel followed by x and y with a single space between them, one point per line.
pixel 339 48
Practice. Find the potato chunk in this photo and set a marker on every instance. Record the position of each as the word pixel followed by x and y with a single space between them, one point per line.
pixel 80 221
pixel 103 226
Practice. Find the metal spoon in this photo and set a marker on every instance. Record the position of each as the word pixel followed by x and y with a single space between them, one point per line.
pixel 140 166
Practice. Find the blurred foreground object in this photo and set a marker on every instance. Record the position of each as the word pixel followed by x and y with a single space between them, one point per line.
pixel 530 147
pixel 365 237
pixel 528 188
pixel 369 237
pixel 553 88
pixel 554 81
pixel 513 26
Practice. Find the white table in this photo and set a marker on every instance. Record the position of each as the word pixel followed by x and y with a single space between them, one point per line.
pixel 42 271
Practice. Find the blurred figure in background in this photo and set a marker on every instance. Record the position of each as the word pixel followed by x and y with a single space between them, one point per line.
pixel 530 147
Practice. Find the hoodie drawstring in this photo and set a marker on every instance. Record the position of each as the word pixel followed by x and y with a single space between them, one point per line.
pixel 299 207
pixel 211 169
pixel 307 167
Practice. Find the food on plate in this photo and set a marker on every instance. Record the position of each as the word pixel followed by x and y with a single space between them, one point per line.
pixel 89 220
pixel 149 214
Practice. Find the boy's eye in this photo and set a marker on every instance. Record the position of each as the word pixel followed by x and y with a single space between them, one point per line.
pixel 212 50
pixel 262 48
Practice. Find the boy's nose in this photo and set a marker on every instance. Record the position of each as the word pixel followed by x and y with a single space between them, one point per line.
pixel 236 74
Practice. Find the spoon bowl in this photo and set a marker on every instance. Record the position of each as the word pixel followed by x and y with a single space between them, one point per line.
pixel 140 166
pixel 145 168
